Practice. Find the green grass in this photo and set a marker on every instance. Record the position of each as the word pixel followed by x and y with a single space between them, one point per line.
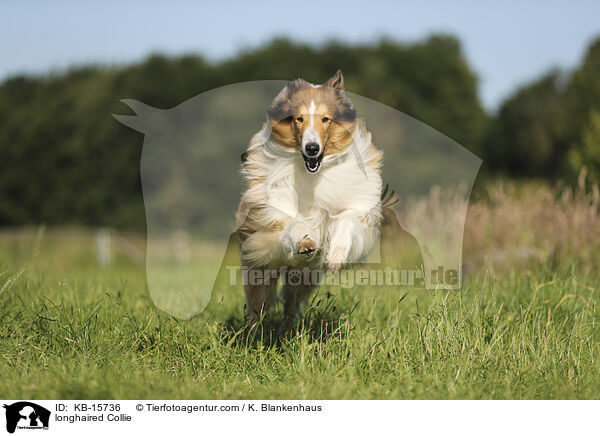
pixel 74 331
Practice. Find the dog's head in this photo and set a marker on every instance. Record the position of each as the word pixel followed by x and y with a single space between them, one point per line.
pixel 316 120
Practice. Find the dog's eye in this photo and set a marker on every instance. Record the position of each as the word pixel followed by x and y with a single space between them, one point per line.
pixel 325 119
pixel 299 119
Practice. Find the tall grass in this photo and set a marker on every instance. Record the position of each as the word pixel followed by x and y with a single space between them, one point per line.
pixel 516 223
pixel 524 325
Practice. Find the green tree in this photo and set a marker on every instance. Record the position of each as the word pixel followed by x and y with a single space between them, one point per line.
pixel 583 92
pixel 539 130
pixel 581 115
pixel 525 138
pixel 587 153
pixel 64 159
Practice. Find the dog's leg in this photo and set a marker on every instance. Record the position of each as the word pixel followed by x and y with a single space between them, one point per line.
pixel 351 239
pixel 264 247
pixel 299 285
pixel 260 289
pixel 299 239
pixel 341 241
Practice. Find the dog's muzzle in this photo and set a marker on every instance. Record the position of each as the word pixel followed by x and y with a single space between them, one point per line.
pixel 313 156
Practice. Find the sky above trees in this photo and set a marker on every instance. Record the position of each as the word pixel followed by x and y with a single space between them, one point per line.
pixel 506 43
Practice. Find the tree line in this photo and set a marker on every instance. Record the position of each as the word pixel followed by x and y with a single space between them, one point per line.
pixel 65 160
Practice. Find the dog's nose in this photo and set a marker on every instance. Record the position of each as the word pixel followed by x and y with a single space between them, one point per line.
pixel 312 148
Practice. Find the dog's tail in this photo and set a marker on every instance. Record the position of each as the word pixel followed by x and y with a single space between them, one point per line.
pixel 388 197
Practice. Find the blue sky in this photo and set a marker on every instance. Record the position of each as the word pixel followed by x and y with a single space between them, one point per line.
pixel 507 43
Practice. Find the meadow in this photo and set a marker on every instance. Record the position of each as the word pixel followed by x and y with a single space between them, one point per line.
pixel 525 325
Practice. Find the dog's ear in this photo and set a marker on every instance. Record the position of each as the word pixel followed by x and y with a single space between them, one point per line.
pixel 296 85
pixel 337 81
pixel 279 110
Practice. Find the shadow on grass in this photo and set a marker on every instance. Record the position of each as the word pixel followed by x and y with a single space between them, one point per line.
pixel 321 320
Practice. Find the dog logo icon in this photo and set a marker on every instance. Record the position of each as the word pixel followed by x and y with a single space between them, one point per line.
pixel 26 415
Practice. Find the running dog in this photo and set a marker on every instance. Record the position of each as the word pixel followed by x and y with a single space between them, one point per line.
pixel 313 192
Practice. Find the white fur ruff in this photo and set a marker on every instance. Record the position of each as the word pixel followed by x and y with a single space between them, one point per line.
pixel 338 207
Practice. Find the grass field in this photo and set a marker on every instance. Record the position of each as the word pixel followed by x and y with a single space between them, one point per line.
pixel 524 329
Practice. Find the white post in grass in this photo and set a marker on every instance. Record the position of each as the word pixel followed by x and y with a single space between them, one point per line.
pixel 103 246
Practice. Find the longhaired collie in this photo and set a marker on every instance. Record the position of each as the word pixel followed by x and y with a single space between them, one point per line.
pixel 312 199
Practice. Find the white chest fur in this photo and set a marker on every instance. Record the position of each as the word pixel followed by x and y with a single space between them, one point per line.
pixel 338 207
pixel 339 186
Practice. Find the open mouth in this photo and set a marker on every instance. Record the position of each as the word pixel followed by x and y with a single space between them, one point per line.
pixel 312 164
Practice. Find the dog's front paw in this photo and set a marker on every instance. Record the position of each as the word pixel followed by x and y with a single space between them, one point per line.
pixel 306 245
pixel 336 258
